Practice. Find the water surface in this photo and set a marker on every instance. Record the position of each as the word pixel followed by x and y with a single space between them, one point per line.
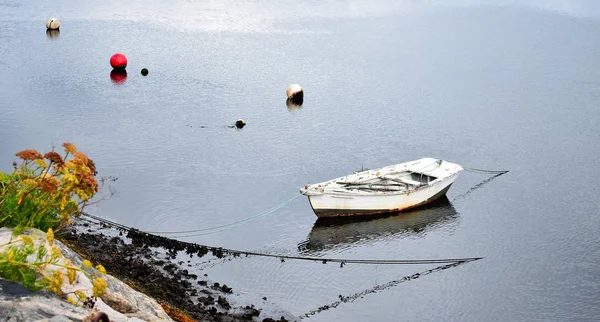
pixel 495 85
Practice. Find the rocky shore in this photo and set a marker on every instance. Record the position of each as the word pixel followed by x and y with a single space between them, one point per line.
pixel 183 295
pixel 120 302
pixel 144 284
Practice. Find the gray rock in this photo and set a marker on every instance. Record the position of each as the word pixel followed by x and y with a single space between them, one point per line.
pixel 121 297
pixel 121 302
pixel 18 303
pixel 133 303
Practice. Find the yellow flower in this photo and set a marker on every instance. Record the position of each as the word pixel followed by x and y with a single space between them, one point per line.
pixel 72 274
pixel 10 255
pixel 63 202
pixel 99 286
pixel 56 281
pixel 72 301
pixel 82 194
pixel 81 296
pixel 56 253
pixel 41 163
pixel 101 269
pixel 29 184
pixel 27 240
pixel 86 263
pixel 50 236
pixel 69 178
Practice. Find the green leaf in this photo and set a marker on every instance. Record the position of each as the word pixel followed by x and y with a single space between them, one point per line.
pixel 41 253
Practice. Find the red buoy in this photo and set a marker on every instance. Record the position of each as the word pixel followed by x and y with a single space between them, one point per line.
pixel 118 61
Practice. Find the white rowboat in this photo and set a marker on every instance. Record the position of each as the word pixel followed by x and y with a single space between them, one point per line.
pixel 389 189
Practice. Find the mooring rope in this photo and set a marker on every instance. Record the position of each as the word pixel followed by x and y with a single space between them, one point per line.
pixel 156 241
pixel 360 261
pixel 105 221
pixel 235 224
pixel 151 237
pixel 376 288
pixel 231 225
pixel 496 172
pixel 241 222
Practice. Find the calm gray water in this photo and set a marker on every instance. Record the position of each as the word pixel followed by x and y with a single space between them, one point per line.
pixel 488 84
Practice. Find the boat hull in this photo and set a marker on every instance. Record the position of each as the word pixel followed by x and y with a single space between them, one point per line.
pixel 334 205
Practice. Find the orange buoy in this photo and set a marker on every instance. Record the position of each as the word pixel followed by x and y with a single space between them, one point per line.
pixel 118 61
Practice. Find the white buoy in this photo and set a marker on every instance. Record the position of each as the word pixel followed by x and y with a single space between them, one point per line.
pixel 52 24
pixel 293 90
pixel 295 94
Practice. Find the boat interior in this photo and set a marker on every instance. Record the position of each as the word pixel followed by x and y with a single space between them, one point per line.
pixel 391 181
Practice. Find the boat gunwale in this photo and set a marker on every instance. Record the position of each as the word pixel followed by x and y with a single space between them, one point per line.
pixel 382 193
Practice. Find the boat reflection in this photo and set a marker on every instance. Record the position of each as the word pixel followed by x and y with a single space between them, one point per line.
pixel 341 232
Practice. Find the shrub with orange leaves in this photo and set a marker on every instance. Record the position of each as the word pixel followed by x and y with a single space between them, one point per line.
pixel 44 191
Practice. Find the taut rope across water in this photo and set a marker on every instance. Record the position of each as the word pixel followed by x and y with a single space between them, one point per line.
pixel 173 245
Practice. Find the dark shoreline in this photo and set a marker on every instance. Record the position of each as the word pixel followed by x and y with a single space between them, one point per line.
pixel 172 286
